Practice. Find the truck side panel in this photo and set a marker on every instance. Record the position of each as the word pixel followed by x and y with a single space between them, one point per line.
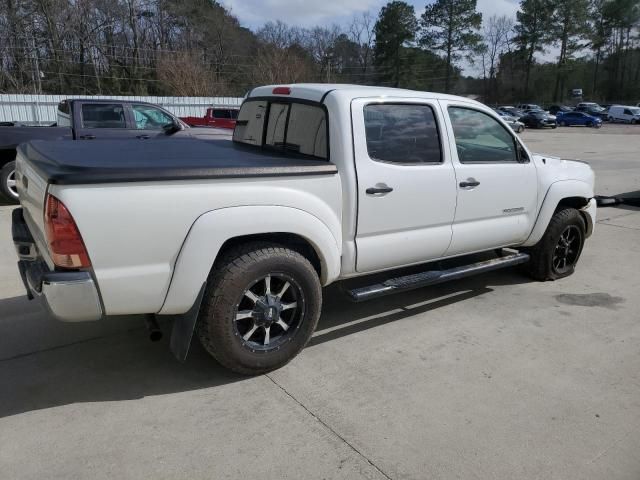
pixel 213 229
pixel 134 267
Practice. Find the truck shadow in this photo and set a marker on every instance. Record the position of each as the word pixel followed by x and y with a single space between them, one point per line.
pixel 118 362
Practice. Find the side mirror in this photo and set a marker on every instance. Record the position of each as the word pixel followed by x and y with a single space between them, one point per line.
pixel 171 128
pixel 522 154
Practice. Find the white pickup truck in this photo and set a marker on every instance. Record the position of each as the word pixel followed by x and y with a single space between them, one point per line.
pixel 322 183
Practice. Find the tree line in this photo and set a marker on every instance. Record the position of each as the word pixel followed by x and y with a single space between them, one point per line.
pixel 199 48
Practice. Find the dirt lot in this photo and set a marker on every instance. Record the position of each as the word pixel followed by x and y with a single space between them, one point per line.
pixel 494 377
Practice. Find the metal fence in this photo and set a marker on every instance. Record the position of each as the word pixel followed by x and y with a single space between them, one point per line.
pixel 41 109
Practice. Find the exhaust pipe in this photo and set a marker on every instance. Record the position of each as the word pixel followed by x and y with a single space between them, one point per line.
pixel 155 334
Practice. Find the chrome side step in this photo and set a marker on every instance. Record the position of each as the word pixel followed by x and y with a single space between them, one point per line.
pixel 432 277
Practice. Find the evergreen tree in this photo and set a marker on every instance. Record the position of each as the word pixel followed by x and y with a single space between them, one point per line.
pixel 451 27
pixel 569 26
pixel 533 32
pixel 395 29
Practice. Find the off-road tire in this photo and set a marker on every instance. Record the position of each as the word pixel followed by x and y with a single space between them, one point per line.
pixel 6 170
pixel 540 266
pixel 239 268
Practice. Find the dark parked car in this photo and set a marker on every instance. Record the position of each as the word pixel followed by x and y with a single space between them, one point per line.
pixel 513 111
pixel 594 111
pixel 94 119
pixel 555 109
pixel 578 118
pixel 539 119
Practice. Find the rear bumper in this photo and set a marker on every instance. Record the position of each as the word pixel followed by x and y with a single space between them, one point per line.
pixel 69 296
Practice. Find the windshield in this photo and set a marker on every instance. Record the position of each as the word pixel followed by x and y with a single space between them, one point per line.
pixel 635 111
pixel 283 125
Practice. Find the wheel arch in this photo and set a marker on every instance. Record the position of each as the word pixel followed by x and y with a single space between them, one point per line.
pixel 216 231
pixel 567 193
pixel 290 240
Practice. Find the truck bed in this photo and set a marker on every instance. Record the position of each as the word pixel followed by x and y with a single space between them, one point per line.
pixel 11 137
pixel 117 161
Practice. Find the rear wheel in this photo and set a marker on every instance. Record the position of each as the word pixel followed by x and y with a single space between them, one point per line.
pixel 557 253
pixel 261 306
pixel 590 124
pixel 8 186
pixel 633 122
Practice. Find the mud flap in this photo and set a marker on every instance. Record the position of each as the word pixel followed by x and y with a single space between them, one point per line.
pixel 183 328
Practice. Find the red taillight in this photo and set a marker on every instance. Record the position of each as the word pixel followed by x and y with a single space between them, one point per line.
pixel 65 243
pixel 281 91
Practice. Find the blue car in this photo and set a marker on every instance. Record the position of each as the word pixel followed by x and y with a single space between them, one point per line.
pixel 568 119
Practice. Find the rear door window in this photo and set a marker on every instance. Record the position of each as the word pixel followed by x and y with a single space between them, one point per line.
pixel 400 133
pixel 103 115
pixel 221 113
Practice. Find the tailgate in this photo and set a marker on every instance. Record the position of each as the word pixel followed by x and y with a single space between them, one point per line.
pixel 32 189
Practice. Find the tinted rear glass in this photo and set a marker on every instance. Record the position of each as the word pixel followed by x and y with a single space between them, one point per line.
pixel 103 115
pixel 402 133
pixel 290 127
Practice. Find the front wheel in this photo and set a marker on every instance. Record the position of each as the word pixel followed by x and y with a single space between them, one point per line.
pixel 262 304
pixel 556 254
pixel 8 186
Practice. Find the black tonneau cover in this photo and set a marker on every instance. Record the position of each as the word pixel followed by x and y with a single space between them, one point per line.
pixel 115 161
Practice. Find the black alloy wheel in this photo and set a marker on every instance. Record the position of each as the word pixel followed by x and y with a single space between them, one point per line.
pixel 567 250
pixel 269 313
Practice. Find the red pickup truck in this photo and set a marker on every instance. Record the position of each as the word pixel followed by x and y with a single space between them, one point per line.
pixel 215 117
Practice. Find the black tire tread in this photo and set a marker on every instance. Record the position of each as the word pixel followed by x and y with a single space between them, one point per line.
pixel 539 267
pixel 227 274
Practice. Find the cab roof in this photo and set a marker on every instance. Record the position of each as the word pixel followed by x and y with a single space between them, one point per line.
pixel 318 91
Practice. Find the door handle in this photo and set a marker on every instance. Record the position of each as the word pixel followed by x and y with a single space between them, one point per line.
pixel 472 183
pixel 87 137
pixel 142 137
pixel 379 190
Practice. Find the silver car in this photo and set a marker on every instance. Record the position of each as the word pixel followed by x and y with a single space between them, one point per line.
pixel 513 122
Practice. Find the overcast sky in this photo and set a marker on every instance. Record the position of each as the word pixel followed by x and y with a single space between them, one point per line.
pixel 254 13
pixel 308 13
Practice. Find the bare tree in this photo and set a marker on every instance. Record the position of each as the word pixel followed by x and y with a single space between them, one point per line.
pixel 186 75
pixel 497 36
pixel 361 32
